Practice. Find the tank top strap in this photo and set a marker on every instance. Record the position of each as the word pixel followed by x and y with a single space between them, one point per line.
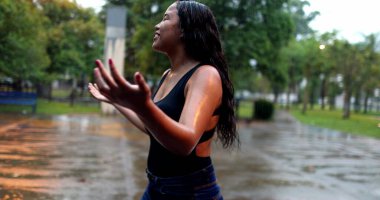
pixel 160 83
pixel 182 82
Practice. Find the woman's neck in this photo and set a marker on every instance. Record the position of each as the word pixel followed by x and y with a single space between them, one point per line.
pixel 180 61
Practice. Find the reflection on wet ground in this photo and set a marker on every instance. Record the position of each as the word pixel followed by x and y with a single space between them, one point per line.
pixel 99 157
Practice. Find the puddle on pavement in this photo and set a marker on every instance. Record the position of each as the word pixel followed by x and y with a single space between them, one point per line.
pixel 99 157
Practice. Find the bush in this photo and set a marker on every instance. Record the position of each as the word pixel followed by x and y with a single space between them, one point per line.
pixel 263 109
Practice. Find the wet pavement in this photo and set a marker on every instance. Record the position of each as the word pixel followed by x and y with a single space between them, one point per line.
pixel 84 157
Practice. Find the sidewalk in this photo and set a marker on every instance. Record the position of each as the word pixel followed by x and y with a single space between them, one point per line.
pixel 96 157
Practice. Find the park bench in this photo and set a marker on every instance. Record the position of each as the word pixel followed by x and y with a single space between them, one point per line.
pixel 19 98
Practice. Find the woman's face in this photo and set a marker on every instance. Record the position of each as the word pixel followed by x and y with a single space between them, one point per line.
pixel 167 32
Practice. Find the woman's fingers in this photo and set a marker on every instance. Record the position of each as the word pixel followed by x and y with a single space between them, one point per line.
pixel 104 74
pixel 114 88
pixel 139 79
pixel 93 91
pixel 96 93
pixel 90 86
pixel 98 79
pixel 96 86
pixel 119 79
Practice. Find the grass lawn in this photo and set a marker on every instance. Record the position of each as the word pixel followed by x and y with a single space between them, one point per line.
pixel 52 108
pixel 359 124
pixel 245 110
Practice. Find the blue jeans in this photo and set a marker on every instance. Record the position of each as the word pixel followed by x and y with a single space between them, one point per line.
pixel 200 185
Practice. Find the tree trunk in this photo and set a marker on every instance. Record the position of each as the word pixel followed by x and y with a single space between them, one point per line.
pixel 74 93
pixel 366 97
pixel 311 100
pixel 287 104
pixel 82 84
pixel 346 104
pixel 312 93
pixel 305 100
pixel 332 102
pixel 44 90
pixel 275 93
pixel 323 93
pixel 73 96
pixel 357 101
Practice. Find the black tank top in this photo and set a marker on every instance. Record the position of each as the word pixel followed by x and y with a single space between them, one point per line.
pixel 162 162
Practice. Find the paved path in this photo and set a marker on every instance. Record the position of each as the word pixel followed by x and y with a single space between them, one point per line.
pixel 96 157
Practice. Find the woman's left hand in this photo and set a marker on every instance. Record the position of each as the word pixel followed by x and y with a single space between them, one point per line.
pixel 118 90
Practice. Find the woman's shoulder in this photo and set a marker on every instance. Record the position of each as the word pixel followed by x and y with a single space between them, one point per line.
pixel 205 76
pixel 206 72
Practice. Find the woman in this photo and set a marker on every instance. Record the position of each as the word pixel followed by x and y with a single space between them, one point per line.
pixel 194 97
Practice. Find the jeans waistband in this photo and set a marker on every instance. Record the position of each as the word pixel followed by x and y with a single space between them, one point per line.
pixel 200 177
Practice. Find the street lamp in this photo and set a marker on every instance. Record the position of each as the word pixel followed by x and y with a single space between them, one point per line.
pixel 253 63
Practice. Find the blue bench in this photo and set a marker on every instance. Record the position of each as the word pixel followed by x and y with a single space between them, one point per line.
pixel 19 98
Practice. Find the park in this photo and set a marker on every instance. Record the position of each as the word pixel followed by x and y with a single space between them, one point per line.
pixel 307 103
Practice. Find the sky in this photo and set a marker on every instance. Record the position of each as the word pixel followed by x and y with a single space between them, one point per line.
pixel 351 18
pixel 96 4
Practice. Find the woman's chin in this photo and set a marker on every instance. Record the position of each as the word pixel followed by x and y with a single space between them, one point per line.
pixel 156 48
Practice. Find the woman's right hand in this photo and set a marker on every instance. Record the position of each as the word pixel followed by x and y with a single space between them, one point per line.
pixel 94 91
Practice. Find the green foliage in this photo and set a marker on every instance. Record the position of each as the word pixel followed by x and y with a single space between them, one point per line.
pixel 304 60
pixel 22 40
pixel 263 109
pixel 356 64
pixel 43 40
pixel 253 30
pixel 249 30
pixel 370 71
pixel 292 60
pixel 300 19
pixel 348 59
pixel 76 38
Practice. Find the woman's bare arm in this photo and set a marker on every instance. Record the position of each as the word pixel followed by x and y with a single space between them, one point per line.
pixel 127 113
pixel 131 116
pixel 203 96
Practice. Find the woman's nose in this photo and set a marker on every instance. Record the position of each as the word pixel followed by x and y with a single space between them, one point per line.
pixel 157 26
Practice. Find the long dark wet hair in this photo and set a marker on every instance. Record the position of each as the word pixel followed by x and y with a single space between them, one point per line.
pixel 200 35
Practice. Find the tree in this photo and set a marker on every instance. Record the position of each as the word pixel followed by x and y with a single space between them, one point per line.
pixel 348 60
pixel 75 38
pixel 311 68
pixel 292 59
pixel 22 42
pixel 292 56
pixel 370 71
pixel 245 35
pixel 327 69
pixel 260 36
pixel 304 62
pixel 300 18
pixel 255 30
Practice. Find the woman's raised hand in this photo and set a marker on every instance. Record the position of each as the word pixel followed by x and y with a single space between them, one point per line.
pixel 94 91
pixel 116 89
